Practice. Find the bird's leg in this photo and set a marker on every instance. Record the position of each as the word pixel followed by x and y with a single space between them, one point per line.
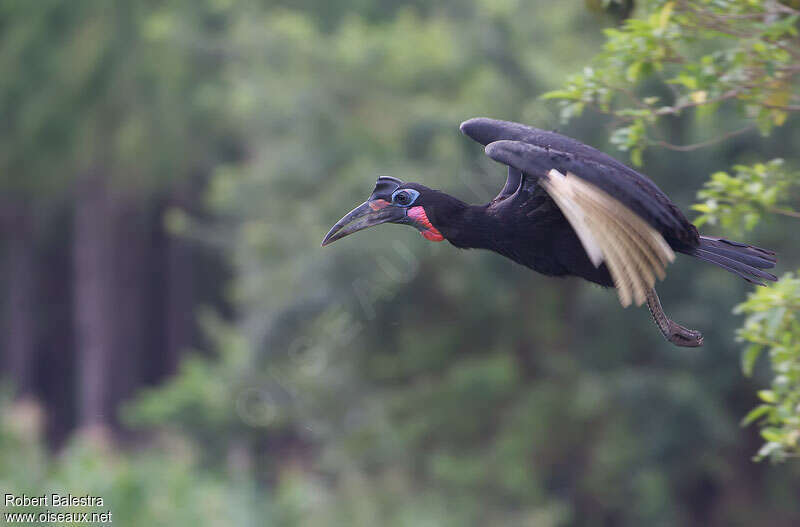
pixel 673 332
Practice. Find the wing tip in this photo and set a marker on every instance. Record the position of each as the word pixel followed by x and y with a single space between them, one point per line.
pixel 481 129
pixel 496 149
pixel 469 126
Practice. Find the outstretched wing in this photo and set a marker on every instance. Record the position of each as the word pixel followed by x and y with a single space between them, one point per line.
pixel 621 218
pixel 633 251
pixel 535 152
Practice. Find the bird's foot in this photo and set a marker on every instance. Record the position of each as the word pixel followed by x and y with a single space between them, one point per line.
pixel 672 331
pixel 683 337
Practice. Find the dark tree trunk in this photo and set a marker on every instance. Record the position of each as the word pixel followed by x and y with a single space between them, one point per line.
pixel 93 300
pixel 181 261
pixel 56 372
pixel 130 253
pixel 20 332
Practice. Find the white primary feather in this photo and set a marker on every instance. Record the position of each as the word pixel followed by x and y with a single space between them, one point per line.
pixel 634 252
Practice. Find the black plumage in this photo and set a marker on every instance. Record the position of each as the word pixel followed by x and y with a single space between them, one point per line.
pixel 566 209
pixel 535 152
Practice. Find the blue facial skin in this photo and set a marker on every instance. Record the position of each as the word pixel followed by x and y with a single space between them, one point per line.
pixel 404 197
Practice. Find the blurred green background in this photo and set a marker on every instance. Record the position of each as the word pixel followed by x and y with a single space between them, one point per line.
pixel 177 342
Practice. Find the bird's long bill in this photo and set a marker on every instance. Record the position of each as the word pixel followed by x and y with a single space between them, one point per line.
pixel 368 214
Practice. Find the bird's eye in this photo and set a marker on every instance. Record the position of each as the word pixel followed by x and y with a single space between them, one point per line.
pixel 404 197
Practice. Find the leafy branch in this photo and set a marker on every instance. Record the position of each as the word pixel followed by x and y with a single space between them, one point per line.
pixel 740 201
pixel 752 66
pixel 772 326
pixel 754 62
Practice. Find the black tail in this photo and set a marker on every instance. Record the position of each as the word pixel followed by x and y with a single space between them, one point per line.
pixel 744 260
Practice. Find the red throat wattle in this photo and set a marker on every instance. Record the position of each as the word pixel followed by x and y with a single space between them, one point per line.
pixel 421 221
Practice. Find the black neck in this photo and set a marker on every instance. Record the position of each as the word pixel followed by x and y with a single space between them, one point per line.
pixel 463 225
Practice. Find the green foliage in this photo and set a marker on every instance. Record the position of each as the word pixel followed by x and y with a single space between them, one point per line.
pixel 423 386
pixel 707 53
pixel 773 326
pixel 739 202
pixel 91 89
pixel 385 380
pixel 160 485
pixel 414 385
pixel 200 392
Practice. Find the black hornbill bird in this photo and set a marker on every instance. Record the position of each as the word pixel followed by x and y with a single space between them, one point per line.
pixel 566 209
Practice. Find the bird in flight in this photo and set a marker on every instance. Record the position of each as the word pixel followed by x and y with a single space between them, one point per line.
pixel 566 209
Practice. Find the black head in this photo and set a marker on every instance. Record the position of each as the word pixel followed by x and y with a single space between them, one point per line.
pixel 392 201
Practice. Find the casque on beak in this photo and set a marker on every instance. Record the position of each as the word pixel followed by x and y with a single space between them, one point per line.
pixel 368 214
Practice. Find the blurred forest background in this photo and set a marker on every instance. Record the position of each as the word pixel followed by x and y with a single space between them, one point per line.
pixel 176 341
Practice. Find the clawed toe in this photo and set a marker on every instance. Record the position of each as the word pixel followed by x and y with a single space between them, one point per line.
pixel 687 338
pixel 673 332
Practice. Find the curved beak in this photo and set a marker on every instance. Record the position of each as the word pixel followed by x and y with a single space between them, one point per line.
pixel 368 214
